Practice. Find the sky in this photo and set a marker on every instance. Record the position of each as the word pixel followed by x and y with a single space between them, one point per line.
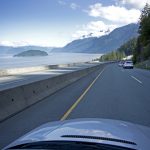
pixel 55 23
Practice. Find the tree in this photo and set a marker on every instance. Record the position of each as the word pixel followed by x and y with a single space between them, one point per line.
pixel 128 47
pixel 137 51
pixel 142 50
pixel 144 28
pixel 113 56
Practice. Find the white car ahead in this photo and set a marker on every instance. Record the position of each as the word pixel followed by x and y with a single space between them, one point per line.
pixel 128 65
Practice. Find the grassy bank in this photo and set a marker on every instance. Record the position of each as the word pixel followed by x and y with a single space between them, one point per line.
pixel 144 65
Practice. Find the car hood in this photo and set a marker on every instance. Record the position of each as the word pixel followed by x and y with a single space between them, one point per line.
pixel 104 131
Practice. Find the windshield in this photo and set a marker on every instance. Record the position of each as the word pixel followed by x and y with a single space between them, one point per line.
pixel 75 70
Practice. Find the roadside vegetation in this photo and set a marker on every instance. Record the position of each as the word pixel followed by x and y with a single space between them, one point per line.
pixel 112 56
pixel 122 52
pixel 142 50
pixel 129 47
pixel 138 47
pixel 144 64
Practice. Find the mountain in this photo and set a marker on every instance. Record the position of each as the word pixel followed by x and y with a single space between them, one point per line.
pixel 5 49
pixel 31 53
pixel 103 44
pixel 15 50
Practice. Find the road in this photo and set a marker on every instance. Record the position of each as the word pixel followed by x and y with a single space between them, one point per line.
pixel 112 93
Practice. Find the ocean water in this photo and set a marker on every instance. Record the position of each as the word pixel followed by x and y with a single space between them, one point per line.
pixel 8 61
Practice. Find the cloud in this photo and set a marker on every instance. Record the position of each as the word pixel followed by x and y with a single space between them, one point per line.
pixel 94 29
pixel 62 2
pixel 74 6
pixel 139 4
pixel 14 44
pixel 115 14
pixel 24 43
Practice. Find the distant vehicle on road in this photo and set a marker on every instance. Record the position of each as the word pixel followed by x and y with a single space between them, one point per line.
pixel 121 63
pixel 128 65
pixel 86 134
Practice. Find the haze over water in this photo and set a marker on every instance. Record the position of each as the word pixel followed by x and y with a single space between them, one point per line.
pixel 8 61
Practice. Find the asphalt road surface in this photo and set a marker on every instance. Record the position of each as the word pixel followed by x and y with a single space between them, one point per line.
pixel 112 92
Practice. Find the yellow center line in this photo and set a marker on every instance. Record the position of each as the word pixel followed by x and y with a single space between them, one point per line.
pixel 80 98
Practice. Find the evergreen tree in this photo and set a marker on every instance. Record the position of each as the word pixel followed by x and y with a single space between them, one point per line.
pixel 142 50
pixel 144 28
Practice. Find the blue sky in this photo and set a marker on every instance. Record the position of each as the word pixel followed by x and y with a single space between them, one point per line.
pixel 57 22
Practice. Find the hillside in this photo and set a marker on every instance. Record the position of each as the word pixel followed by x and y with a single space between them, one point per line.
pixel 103 44
pixel 31 53
pixel 123 51
pixel 128 47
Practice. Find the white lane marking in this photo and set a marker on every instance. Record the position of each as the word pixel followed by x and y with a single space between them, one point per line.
pixel 136 79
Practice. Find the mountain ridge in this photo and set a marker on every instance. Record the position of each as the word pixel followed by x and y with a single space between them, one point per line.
pixel 103 44
pixel 15 50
